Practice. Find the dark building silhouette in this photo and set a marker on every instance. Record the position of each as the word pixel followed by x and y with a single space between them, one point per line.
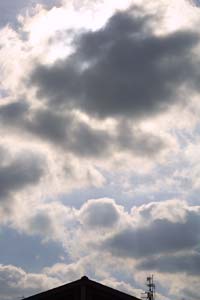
pixel 82 289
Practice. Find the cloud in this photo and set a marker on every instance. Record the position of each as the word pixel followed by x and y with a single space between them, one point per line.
pixel 159 236
pixel 164 243
pixel 136 75
pixel 78 137
pixel 138 142
pixel 64 129
pixel 67 272
pixel 188 263
pixel 194 2
pixel 107 109
pixel 59 129
pixel 122 286
pixel 147 233
pixel 18 172
pixel 21 170
pixel 100 213
pixel 50 221
pixel 89 265
pixel 16 283
pixel 71 134
pixel 12 113
pixel 173 211
pixel 10 10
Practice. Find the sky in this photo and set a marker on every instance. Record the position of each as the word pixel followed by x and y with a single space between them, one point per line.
pixel 99 145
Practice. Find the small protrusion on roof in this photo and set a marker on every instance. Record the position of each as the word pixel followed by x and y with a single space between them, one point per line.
pixel 84 278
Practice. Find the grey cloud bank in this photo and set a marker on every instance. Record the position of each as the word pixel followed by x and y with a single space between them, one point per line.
pixel 185 263
pixel 66 131
pixel 161 236
pixel 123 69
pixel 19 172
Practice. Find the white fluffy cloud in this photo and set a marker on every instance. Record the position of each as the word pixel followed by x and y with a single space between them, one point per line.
pixel 16 283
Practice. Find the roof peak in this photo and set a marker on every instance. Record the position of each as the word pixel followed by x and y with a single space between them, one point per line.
pixel 84 278
pixel 71 287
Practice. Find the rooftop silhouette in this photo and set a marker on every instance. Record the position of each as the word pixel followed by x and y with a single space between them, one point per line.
pixel 82 289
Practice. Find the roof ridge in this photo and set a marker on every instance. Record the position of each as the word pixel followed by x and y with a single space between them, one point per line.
pixel 84 280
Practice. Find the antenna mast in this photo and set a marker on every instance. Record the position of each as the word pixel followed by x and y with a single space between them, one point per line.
pixel 150 293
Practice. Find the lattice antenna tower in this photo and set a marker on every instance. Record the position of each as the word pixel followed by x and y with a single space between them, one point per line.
pixel 150 293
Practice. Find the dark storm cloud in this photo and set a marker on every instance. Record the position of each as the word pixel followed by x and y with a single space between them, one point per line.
pixel 49 126
pixel 141 143
pixel 13 113
pixel 20 172
pixel 161 236
pixel 187 263
pixel 67 132
pixel 10 9
pixel 123 69
pixel 79 138
pixel 62 130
